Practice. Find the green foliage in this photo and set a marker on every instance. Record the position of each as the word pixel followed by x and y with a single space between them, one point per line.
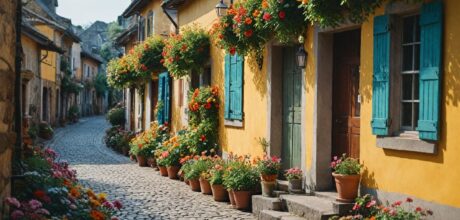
pixel 187 52
pixel 67 84
pixel 116 116
pixel 200 166
pixel 146 143
pixel 332 13
pixel 217 172
pixel 150 56
pixel 45 128
pixel 346 165
pixel 293 174
pixel 240 175
pixel 287 21
pixel 118 138
pixel 73 113
pixel 100 84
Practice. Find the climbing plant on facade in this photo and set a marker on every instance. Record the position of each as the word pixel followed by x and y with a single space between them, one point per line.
pixel 149 54
pixel 186 52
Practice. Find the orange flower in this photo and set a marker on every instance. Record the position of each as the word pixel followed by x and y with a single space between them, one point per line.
pixel 256 13
pixel 74 192
pixel 97 215
pixel 264 4
pixel 248 21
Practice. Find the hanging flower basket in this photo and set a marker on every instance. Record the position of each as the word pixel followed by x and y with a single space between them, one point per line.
pixel 150 56
pixel 187 52
pixel 284 18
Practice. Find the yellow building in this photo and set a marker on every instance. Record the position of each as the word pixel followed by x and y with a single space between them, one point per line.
pixel 146 18
pixel 359 94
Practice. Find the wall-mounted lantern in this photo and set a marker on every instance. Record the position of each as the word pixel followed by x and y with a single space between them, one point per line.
pixel 301 57
pixel 221 8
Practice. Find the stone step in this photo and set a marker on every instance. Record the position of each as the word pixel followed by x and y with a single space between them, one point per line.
pixel 309 207
pixel 341 208
pixel 277 215
pixel 260 203
pixel 283 185
pixel 278 193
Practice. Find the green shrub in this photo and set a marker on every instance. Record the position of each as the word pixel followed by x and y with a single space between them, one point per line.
pixel 116 116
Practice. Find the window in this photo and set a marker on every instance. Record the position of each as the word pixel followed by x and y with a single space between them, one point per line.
pixel 141 29
pixel 150 24
pixel 407 71
pixel 234 87
pixel 410 48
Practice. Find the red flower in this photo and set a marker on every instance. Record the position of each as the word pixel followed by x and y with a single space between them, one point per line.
pixel 39 194
pixel 221 36
pixel 397 203
pixel 203 138
pixel 418 209
pixel 267 16
pixel 232 51
pixel 162 60
pixel 282 15
pixel 207 106
pixel 144 67
pixel 248 21
pixel 184 47
pixel 409 199
pixel 248 33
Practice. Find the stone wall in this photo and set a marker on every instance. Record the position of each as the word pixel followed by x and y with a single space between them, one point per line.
pixel 7 77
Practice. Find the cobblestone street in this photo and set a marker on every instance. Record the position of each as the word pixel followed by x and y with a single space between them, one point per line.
pixel 144 193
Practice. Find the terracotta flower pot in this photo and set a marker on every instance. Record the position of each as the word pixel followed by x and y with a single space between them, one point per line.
pixel 142 161
pixel 132 158
pixel 231 196
pixel 163 171
pixel 195 185
pixel 347 187
pixel 268 178
pixel 152 162
pixel 219 193
pixel 205 186
pixel 187 181
pixel 295 186
pixel 242 199
pixel 172 172
pixel 268 188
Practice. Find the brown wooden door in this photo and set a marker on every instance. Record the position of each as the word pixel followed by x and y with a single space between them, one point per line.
pixel 346 98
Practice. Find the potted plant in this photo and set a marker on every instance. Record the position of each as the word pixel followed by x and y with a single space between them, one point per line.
pixel 216 180
pixel 161 161
pixel 174 148
pixel 268 168
pixel 294 176
pixel 186 163
pixel 45 131
pixel 241 178
pixel 205 175
pixel 347 176
pixel 201 165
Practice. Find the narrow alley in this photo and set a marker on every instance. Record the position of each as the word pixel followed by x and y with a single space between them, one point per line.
pixel 145 194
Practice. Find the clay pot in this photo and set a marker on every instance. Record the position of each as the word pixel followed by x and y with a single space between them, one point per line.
pixel 268 188
pixel 295 186
pixel 152 162
pixel 231 196
pixel 132 158
pixel 219 193
pixel 268 178
pixel 163 171
pixel 347 187
pixel 205 186
pixel 172 172
pixel 142 161
pixel 242 199
pixel 195 185
pixel 187 181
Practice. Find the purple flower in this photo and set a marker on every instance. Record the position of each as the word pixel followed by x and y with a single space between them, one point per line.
pixel 17 214
pixel 42 212
pixel 107 204
pixel 117 204
pixel 35 204
pixel 13 202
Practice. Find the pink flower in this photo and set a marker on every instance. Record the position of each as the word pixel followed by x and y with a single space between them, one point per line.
pixel 35 204
pixel 371 203
pixel 13 202
pixel 356 206
pixel 107 204
pixel 267 16
pixel 117 204
pixel 43 212
pixel 165 154
pixel 397 203
pixel 17 214
pixel 335 158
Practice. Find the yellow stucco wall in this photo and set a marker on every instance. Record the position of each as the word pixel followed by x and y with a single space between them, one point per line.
pixel 309 96
pixel 161 23
pixel 237 140
pixel 48 65
pixel 429 177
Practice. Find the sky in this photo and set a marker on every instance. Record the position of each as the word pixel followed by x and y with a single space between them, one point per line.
pixel 85 12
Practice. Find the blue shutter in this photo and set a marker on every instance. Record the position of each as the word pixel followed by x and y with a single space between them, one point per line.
pixel 237 89
pixel 430 70
pixel 227 86
pixel 167 98
pixel 381 77
pixel 161 89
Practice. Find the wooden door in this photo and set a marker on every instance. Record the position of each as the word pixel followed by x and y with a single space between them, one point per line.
pixel 346 98
pixel 292 102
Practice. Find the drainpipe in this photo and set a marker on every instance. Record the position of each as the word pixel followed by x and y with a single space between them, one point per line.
pixel 170 18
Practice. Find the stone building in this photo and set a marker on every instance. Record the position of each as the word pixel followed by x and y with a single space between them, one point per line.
pixel 7 82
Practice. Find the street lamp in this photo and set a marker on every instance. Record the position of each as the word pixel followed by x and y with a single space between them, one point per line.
pixel 301 57
pixel 221 8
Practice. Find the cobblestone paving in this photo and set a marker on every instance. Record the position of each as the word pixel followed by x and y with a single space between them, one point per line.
pixel 144 193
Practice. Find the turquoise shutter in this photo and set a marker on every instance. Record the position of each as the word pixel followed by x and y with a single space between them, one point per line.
pixel 381 78
pixel 167 98
pixel 237 88
pixel 161 89
pixel 430 70
pixel 227 86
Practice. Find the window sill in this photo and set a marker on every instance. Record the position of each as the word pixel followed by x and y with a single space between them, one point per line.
pixel 406 142
pixel 233 123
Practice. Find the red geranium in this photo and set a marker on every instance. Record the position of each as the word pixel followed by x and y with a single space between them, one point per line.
pixel 282 15
pixel 248 33
pixel 267 16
